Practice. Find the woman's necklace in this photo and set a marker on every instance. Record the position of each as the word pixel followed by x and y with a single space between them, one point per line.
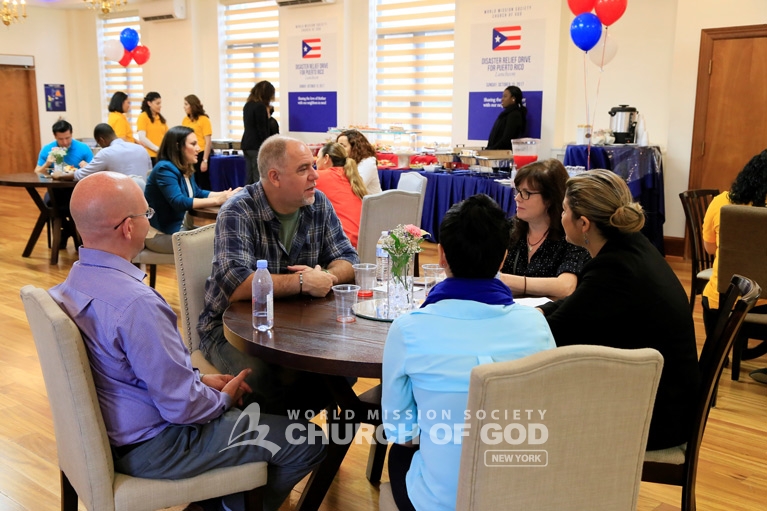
pixel 531 245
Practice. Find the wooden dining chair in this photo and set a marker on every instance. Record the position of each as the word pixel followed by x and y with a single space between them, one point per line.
pixel 151 259
pixel 695 203
pixel 414 182
pixel 596 429
pixel 743 250
pixel 84 455
pixel 678 465
pixel 193 253
pixel 383 212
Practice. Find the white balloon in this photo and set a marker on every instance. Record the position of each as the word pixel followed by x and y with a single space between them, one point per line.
pixel 113 50
pixel 604 51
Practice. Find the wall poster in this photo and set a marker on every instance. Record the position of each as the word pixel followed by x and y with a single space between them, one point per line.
pixel 312 80
pixel 55 98
pixel 507 48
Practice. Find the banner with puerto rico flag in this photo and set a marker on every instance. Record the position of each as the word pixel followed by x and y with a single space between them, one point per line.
pixel 312 81
pixel 508 42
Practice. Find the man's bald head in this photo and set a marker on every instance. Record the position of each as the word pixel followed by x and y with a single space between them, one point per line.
pixel 99 203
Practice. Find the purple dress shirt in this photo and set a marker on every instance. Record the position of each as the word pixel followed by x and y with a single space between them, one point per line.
pixel 142 370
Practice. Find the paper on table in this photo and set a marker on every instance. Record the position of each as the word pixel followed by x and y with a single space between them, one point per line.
pixel 532 302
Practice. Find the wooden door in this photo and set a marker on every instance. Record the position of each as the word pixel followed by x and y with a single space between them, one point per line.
pixel 19 124
pixel 730 123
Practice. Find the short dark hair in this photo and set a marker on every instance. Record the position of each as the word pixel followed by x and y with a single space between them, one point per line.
pixel 116 103
pixel 172 148
pixel 61 126
pixel 475 235
pixel 103 131
pixel 750 186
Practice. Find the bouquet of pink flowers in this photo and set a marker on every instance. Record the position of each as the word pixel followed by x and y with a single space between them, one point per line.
pixel 403 242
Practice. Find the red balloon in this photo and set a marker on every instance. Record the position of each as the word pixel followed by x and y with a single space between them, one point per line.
pixel 140 54
pixel 610 11
pixel 125 60
pixel 581 6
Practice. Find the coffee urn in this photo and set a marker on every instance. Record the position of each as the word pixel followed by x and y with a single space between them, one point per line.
pixel 623 123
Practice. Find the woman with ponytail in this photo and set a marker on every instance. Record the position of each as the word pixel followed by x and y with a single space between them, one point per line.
pixel 151 125
pixel 342 184
pixel 628 297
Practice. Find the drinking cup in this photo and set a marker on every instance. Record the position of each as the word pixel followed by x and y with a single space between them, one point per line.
pixel 365 278
pixel 433 274
pixel 346 298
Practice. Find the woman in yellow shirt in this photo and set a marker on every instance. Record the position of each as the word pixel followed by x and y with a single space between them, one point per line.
pixel 151 125
pixel 198 120
pixel 119 105
pixel 749 189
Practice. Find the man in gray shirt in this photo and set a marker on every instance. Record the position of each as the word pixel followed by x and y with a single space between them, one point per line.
pixel 116 155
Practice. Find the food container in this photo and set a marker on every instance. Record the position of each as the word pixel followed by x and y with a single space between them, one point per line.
pixel 446 157
pixel 525 151
pixel 494 158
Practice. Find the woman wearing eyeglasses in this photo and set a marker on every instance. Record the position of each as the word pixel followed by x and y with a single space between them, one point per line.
pixel 172 191
pixel 540 261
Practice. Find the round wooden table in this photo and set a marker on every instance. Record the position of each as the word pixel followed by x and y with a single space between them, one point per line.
pixel 31 182
pixel 307 337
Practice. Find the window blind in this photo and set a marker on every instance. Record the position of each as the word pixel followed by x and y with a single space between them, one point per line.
pixel 251 54
pixel 414 66
pixel 115 78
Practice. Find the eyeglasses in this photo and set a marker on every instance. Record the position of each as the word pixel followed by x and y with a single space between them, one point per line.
pixel 149 213
pixel 525 194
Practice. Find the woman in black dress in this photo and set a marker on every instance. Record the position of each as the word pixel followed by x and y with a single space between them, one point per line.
pixel 511 123
pixel 255 116
pixel 628 297
pixel 540 261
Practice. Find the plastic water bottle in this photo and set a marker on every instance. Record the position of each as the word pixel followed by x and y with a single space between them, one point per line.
pixel 263 298
pixel 382 259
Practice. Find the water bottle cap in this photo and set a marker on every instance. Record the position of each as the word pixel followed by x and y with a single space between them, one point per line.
pixel 262 263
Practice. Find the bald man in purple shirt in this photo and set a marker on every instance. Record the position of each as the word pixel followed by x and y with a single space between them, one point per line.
pixel 164 419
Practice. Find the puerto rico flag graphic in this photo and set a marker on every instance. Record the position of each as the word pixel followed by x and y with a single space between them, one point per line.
pixel 507 38
pixel 310 49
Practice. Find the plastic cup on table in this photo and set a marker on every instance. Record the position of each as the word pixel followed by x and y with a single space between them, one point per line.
pixel 346 298
pixel 433 274
pixel 365 278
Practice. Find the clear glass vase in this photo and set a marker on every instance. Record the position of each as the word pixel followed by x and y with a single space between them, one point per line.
pixel 58 166
pixel 399 289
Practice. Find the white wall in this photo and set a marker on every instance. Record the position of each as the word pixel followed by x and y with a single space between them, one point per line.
pixel 61 43
pixel 654 70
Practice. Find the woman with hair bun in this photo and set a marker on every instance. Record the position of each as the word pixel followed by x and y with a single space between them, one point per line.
pixel 628 297
pixel 340 181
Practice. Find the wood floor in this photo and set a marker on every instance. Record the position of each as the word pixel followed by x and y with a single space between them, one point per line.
pixel 733 464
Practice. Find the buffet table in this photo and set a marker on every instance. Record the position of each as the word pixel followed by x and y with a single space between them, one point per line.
pixel 445 189
pixel 641 167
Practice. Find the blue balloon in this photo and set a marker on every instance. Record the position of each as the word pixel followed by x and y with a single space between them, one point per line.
pixel 129 39
pixel 585 30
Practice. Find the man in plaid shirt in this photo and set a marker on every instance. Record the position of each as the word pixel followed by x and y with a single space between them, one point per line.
pixel 285 220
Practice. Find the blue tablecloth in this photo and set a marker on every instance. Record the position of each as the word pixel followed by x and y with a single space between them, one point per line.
pixel 226 171
pixel 443 190
pixel 642 168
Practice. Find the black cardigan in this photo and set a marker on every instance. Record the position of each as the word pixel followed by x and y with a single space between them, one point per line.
pixel 510 124
pixel 256 121
pixel 629 297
